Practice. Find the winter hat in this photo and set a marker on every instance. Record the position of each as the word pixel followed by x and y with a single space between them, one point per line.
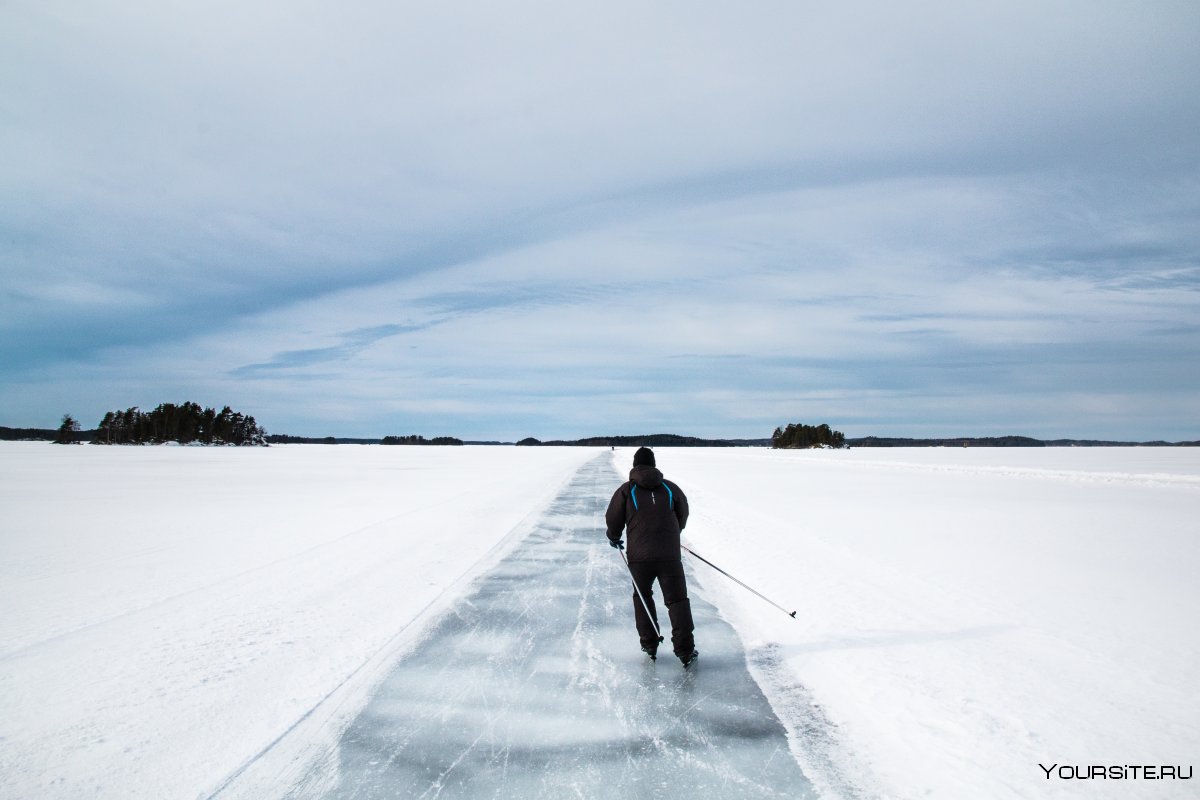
pixel 643 457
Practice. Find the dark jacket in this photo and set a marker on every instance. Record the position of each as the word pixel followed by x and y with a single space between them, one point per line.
pixel 653 509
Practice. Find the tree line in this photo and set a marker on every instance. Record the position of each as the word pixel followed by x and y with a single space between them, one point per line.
pixel 652 440
pixel 414 439
pixel 185 423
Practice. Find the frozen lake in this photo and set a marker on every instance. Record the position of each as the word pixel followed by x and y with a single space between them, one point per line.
pixel 178 621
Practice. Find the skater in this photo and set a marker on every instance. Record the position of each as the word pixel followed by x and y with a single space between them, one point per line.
pixel 654 511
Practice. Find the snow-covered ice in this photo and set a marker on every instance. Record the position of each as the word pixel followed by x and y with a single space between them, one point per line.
pixel 965 615
pixel 169 614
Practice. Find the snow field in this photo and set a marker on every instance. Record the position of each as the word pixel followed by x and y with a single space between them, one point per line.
pixel 169 613
pixel 964 615
pixel 166 613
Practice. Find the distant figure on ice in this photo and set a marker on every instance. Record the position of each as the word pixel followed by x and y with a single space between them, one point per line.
pixel 655 511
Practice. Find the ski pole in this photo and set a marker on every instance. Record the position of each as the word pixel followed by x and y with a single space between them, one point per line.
pixel 645 605
pixel 791 614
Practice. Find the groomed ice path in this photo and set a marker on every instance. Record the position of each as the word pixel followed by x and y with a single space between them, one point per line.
pixel 534 686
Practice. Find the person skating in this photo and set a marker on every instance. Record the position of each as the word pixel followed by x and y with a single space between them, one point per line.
pixel 654 511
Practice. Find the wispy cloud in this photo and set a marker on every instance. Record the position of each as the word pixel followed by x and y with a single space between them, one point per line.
pixel 352 343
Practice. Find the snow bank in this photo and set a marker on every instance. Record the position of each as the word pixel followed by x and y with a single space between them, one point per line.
pixel 166 613
pixel 964 615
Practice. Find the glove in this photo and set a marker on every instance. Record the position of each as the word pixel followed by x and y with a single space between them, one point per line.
pixel 618 544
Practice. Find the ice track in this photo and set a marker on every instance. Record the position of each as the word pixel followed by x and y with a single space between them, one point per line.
pixel 535 687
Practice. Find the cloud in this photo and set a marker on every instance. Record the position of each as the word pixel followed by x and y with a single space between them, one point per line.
pixel 537 218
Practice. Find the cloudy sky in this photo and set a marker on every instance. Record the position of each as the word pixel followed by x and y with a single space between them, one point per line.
pixel 497 220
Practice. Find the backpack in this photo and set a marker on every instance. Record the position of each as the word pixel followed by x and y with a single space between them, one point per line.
pixel 670 496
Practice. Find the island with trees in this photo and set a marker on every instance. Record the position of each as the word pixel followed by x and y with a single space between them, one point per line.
pixel 186 423
pixel 797 437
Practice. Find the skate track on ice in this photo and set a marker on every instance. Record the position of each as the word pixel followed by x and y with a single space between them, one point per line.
pixel 534 686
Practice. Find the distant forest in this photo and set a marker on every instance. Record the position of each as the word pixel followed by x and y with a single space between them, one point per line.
pixel 652 440
pixel 421 440
pixel 32 434
pixel 1005 441
pixel 283 438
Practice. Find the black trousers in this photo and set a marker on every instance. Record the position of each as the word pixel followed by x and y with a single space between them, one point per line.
pixel 669 573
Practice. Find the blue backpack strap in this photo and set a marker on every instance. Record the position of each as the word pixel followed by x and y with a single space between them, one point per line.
pixel 633 494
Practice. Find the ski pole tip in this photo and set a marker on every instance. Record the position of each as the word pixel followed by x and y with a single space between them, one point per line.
pixel 792 615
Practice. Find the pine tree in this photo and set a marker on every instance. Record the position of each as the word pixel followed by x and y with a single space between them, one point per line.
pixel 67 431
